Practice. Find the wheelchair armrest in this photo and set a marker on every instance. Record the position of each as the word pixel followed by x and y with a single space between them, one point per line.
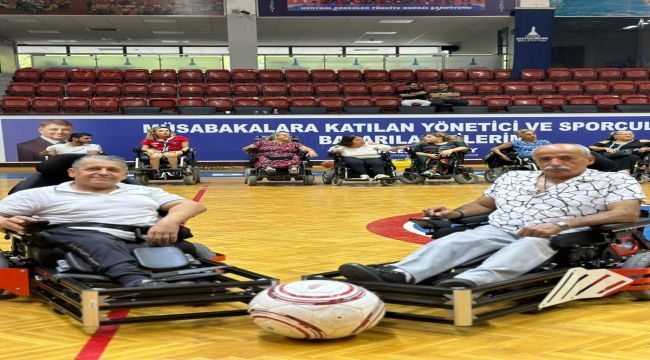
pixel 437 223
pixel 643 222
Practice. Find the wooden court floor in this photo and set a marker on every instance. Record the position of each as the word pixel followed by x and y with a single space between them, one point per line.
pixel 286 230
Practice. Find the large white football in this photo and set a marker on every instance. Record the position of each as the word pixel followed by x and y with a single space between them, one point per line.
pixel 316 309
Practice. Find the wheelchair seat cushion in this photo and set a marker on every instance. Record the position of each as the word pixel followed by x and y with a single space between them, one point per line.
pixel 160 258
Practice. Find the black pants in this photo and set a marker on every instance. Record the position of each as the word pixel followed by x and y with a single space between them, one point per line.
pixel 106 254
pixel 439 103
pixel 359 166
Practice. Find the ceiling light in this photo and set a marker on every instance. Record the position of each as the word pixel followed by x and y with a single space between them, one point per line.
pixel 152 21
pixel 43 31
pixel 62 41
pixel 396 21
pixel 369 41
pixel 170 41
pixel 168 32
pixel 381 32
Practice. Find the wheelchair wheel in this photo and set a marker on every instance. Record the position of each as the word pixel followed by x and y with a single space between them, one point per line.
pixel 247 173
pixel 328 176
pixel 308 180
pixel 252 180
pixel 490 176
pixel 337 181
pixel 410 177
pixel 197 175
pixel 141 178
pixel 466 178
pixel 638 261
pixel 388 182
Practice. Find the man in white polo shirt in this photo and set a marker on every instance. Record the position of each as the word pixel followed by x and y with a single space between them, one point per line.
pixel 78 143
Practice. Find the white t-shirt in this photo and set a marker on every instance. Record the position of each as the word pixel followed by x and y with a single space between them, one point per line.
pixel 367 151
pixel 67 149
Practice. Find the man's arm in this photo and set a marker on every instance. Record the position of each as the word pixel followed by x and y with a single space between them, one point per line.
pixel 481 206
pixel 165 231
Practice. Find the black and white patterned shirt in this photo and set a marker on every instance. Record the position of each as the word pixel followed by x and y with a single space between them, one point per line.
pixel 519 202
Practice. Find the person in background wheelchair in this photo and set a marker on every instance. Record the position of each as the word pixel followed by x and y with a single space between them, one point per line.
pixel 363 157
pixel 278 151
pixel 515 155
pixel 97 217
pixel 523 146
pixel 160 143
pixel 621 150
pixel 527 209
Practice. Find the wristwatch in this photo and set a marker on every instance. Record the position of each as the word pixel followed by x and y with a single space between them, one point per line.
pixel 564 226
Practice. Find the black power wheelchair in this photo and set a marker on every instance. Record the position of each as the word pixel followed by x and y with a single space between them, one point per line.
pixel 340 172
pixel 603 261
pixel 498 166
pixel 253 173
pixel 453 170
pixel 187 170
pixel 202 286
pixel 641 170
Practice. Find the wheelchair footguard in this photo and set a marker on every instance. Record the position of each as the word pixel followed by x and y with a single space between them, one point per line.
pixel 340 172
pixel 455 170
pixel 187 170
pixel 587 270
pixel 192 289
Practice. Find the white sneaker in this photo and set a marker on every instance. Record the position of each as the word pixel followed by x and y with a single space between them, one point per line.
pixel 364 177
pixel 429 173
pixel 381 177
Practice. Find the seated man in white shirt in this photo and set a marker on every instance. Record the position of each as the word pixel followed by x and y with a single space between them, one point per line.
pixel 78 143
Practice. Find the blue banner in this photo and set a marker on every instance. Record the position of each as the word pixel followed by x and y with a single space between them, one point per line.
pixel 222 138
pixel 533 39
pixel 385 8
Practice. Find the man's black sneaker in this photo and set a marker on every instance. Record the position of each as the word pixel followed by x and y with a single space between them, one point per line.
pixel 456 283
pixel 358 272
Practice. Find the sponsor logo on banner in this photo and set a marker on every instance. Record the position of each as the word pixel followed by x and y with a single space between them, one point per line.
pixel 531 37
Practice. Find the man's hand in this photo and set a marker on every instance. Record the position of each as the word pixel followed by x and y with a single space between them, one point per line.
pixel 162 233
pixel 442 212
pixel 16 223
pixel 545 230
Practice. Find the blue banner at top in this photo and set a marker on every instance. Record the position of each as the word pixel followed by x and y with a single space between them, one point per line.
pixel 533 39
pixel 385 7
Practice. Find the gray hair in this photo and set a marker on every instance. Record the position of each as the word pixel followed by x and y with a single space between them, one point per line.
pixel 77 163
pixel 583 148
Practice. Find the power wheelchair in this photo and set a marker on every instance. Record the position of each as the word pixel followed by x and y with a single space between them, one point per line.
pixel 498 166
pixel 202 286
pixel 253 173
pixel 453 170
pixel 641 170
pixel 597 263
pixel 340 172
pixel 187 170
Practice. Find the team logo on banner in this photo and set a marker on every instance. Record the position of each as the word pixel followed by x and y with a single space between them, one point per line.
pixel 532 36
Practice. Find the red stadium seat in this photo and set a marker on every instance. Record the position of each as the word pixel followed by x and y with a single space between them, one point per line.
pixel 55 75
pixel 108 89
pixel 349 75
pixel 135 90
pixel 375 75
pixel 358 101
pixel 104 105
pixel 133 101
pixel 297 75
pixel 191 89
pixel 453 75
pixel 50 89
pixel 274 89
pixel 217 76
pixel 323 75
pixel 80 89
pixel 387 104
pixel 582 74
pixel 141 76
pixel 498 103
pixel 21 89
pixel 163 90
pixel 247 101
pixel 222 104
pixel 559 74
pixel 333 104
pixel 568 87
pixel 163 76
pixel 270 76
pixel 243 75
pixel 595 87
pixel 401 75
pixel 75 104
pixel 166 104
pixel 110 76
pixel 580 99
pixel 303 101
pixel 327 89
pixel 301 89
pixel 525 100
pixel 464 88
pixel 245 89
pixel 488 88
pixel 635 74
pixel 278 104
pixel 190 76
pixel 622 87
pixel 15 104
pixel 552 103
pixel 191 101
pixel 635 99
pixel 502 74
pixel 473 100
pixel 218 89
pixel 426 76
pixel 515 88
pixel 607 103
pixel 381 89
pixel 541 87
pixel 46 105
pixel 82 75
pixel 532 75
pixel 608 74
pixel 354 89
pixel 479 75
pixel 27 75
pixel 643 87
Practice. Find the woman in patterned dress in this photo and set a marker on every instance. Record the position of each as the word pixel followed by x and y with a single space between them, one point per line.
pixel 279 151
